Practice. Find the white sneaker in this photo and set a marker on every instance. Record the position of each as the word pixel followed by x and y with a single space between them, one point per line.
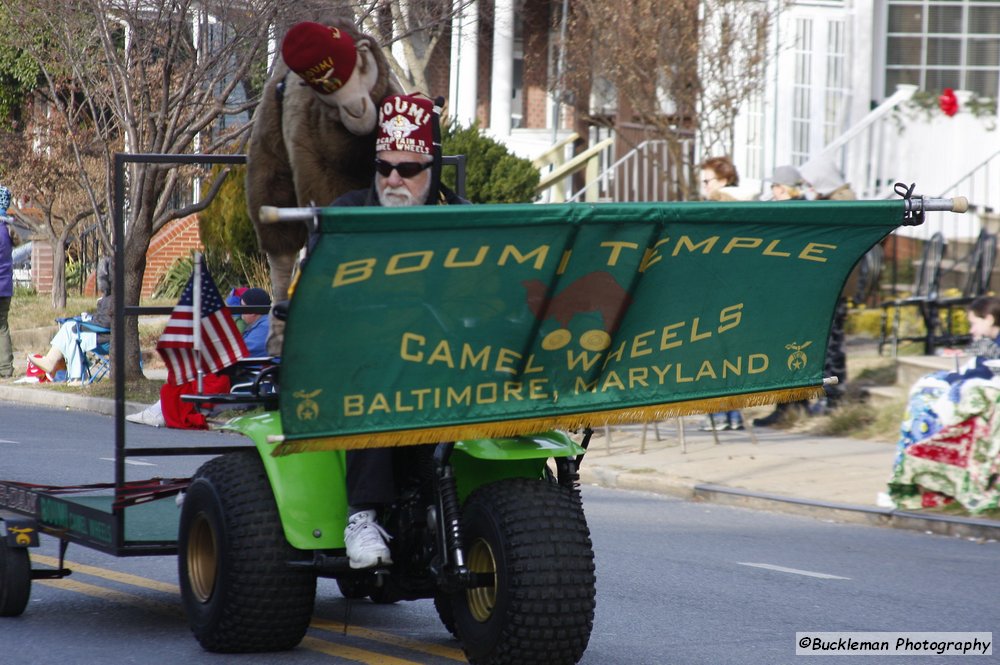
pixel 366 541
pixel 151 415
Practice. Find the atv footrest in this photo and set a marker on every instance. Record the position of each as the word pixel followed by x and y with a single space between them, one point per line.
pixel 325 564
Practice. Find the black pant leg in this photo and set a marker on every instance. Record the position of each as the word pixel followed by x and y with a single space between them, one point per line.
pixel 370 479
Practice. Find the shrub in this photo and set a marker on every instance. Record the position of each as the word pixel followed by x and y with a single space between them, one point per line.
pixel 226 272
pixel 492 173
pixel 225 226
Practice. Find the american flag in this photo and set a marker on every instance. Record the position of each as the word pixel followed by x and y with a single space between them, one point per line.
pixel 221 342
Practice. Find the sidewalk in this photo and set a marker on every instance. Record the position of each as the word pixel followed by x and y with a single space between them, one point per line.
pixel 833 478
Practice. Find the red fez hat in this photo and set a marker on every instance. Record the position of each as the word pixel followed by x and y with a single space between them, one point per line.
pixel 322 55
pixel 405 123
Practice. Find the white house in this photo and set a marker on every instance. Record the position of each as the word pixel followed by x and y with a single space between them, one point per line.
pixel 844 79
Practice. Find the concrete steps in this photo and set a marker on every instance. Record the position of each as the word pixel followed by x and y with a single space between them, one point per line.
pixel 908 370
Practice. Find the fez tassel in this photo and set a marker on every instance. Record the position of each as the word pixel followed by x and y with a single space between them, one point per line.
pixel 508 428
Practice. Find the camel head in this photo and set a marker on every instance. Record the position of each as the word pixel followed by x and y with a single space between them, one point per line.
pixel 343 69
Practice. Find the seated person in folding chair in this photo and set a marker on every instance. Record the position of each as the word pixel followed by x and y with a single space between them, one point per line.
pixel 75 338
pixel 255 329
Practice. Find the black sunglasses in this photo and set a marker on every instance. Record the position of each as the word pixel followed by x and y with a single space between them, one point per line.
pixel 405 169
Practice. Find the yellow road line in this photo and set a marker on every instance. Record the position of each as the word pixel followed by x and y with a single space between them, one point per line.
pixel 124 578
pixel 395 640
pixel 310 643
pixel 113 596
pixel 353 653
pixel 315 644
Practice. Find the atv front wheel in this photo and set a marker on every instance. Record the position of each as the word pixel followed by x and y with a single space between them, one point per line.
pixel 528 545
pixel 239 592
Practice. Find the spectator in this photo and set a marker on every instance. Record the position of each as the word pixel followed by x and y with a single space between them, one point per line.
pixel 6 286
pixel 720 182
pixel 255 325
pixel 232 300
pixel 64 351
pixel 826 182
pixel 787 184
pixel 255 338
pixel 949 413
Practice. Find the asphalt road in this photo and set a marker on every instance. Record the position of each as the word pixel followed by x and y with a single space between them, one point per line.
pixel 678 582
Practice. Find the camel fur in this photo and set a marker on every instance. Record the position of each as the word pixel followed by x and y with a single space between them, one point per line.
pixel 306 150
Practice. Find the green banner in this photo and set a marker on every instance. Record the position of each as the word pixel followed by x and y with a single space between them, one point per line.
pixel 431 324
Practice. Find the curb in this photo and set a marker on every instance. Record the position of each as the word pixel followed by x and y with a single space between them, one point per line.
pixel 944 525
pixel 60 400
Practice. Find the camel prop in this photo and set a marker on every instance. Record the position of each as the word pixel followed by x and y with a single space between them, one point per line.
pixel 313 137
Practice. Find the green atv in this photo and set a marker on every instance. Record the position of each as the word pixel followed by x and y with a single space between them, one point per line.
pixel 486 528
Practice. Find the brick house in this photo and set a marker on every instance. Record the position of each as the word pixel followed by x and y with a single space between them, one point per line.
pixel 175 240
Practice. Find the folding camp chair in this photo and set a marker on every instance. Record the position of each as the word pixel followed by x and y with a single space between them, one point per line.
pixel 924 299
pixel 95 360
pixel 979 269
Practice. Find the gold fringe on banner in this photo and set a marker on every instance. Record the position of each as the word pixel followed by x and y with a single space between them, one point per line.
pixel 509 428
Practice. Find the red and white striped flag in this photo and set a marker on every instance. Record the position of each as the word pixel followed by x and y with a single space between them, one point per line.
pixel 221 342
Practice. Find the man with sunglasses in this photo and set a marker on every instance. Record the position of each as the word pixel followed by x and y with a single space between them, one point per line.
pixel 407 173
pixel 407 157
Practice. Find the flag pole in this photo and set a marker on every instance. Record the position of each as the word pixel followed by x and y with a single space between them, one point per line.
pixel 196 318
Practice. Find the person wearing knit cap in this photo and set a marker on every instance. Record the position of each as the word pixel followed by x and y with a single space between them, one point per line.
pixel 825 181
pixel 407 173
pixel 255 332
pixel 6 286
pixel 786 184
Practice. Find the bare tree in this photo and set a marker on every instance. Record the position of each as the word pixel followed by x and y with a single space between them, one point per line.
pixel 676 67
pixel 155 76
pixel 47 184
pixel 416 27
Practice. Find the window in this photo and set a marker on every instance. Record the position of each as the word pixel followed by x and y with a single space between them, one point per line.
pixel 802 90
pixel 937 44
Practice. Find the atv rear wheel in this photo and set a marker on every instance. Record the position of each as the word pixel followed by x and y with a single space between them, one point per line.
pixel 15 579
pixel 239 592
pixel 528 541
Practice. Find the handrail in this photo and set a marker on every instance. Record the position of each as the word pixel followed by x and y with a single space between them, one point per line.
pixel 904 92
pixel 971 172
pixel 579 162
pixel 554 154
pixel 611 169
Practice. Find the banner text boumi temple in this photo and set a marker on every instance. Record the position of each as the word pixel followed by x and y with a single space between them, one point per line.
pixel 439 323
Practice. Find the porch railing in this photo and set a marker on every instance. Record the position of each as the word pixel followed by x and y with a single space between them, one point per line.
pixel 648 172
pixel 867 153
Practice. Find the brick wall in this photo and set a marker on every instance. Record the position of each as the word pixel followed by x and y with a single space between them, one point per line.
pixel 175 240
pixel 41 266
pixel 537 19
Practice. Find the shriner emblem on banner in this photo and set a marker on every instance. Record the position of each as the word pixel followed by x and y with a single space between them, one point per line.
pixel 797 359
